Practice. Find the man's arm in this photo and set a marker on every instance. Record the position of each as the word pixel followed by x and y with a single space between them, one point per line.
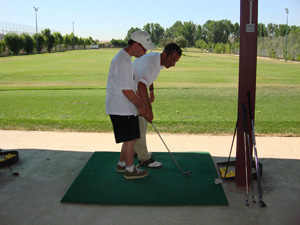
pixel 142 88
pixel 136 101
pixel 151 90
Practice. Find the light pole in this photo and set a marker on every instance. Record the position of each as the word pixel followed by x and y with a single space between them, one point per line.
pixel 287 16
pixel 36 29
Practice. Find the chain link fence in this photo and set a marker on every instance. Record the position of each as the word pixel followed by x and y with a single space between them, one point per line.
pixel 274 47
pixel 6 27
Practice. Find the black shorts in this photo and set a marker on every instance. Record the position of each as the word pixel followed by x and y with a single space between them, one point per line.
pixel 126 128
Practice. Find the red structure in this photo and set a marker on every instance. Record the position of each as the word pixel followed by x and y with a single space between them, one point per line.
pixel 247 80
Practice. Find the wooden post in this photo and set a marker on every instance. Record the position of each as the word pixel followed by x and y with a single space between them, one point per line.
pixel 247 80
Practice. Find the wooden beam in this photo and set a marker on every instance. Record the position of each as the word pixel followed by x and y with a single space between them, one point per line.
pixel 247 79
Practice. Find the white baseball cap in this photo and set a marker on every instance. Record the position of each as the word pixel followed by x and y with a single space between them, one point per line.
pixel 143 38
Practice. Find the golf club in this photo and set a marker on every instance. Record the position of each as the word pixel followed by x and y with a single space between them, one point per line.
pixel 220 180
pixel 260 198
pixel 14 173
pixel 250 157
pixel 245 147
pixel 183 173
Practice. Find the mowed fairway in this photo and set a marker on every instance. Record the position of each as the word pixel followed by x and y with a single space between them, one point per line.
pixel 66 91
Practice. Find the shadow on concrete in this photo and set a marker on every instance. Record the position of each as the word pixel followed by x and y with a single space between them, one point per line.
pixel 34 196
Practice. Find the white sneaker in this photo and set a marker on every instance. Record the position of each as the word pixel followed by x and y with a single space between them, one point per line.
pixel 155 164
pixel 151 163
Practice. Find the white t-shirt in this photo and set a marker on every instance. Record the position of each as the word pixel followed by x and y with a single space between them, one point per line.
pixel 146 68
pixel 120 78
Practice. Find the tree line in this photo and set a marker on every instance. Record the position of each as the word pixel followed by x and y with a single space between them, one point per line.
pixel 221 37
pixel 24 42
pixel 212 32
pixel 213 36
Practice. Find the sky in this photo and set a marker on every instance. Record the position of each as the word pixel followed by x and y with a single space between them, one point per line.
pixel 106 20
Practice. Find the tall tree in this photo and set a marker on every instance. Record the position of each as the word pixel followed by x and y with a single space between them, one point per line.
pixel 80 41
pixel 172 31
pixel 217 31
pixel 199 33
pixel 271 28
pixel 86 41
pixel 262 30
pixel 207 30
pixel 188 31
pixel 155 30
pixel 294 29
pixel 130 31
pixel 91 40
pixel 283 28
pixel 224 29
pixel 236 32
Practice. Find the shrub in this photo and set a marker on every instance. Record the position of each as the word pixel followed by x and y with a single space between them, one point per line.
pixel 28 44
pixel 14 42
pixel 219 48
pixel 227 48
pixel 118 43
pixel 2 46
pixel 181 41
pixel 165 41
pixel 38 42
pixel 272 54
pixel 200 44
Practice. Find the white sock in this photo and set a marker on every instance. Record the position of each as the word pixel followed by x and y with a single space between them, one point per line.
pixel 130 168
pixel 121 163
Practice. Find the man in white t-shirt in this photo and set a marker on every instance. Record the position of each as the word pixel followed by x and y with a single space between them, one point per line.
pixel 122 103
pixel 146 70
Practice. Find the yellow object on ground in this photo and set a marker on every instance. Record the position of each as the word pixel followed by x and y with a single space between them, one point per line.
pixel 7 157
pixel 228 174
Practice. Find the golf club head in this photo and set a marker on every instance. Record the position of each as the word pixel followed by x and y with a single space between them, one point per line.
pixel 261 203
pixel 246 202
pixel 218 180
pixel 187 173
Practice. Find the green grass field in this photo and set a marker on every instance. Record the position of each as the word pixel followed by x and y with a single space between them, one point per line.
pixel 66 91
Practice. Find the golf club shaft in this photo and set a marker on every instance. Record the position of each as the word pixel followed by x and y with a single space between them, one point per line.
pixel 255 151
pixel 236 126
pixel 256 163
pixel 250 155
pixel 245 147
pixel 221 179
pixel 167 148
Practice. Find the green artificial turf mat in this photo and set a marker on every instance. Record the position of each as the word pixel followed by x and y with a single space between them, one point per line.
pixel 99 183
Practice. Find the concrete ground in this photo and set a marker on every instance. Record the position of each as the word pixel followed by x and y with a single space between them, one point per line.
pixel 50 161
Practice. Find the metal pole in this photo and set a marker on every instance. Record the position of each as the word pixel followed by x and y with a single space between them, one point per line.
pixel 287 13
pixel 36 29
